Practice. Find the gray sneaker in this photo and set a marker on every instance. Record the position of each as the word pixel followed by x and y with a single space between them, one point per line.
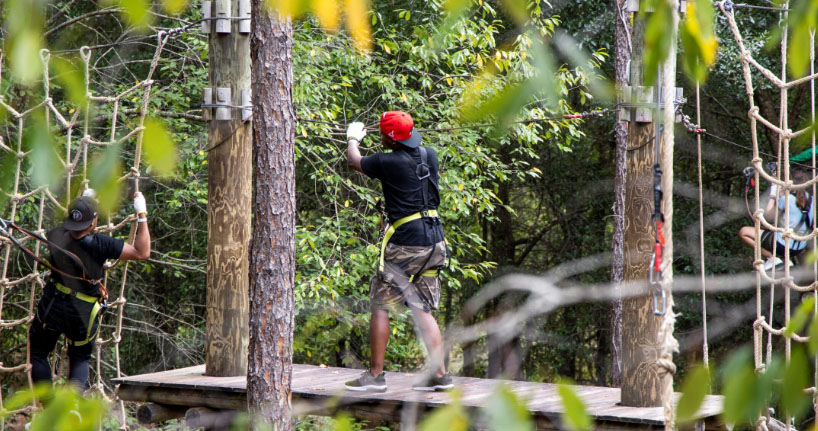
pixel 367 383
pixel 434 383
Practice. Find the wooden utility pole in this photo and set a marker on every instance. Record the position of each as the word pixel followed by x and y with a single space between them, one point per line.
pixel 272 251
pixel 647 340
pixel 229 189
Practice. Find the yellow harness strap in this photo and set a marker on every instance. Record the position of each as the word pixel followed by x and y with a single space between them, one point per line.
pixel 94 313
pixel 390 230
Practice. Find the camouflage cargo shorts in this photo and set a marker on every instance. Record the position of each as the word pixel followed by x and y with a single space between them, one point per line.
pixel 391 287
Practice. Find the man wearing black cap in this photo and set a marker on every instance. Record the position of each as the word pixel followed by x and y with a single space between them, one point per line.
pixel 73 301
pixel 413 247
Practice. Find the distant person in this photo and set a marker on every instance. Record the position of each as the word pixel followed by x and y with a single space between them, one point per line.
pixel 74 306
pixel 802 214
pixel 413 247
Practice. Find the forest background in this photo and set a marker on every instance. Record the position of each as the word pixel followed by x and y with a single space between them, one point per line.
pixel 525 199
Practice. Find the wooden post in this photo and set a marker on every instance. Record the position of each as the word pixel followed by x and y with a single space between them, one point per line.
pixel 229 196
pixel 646 369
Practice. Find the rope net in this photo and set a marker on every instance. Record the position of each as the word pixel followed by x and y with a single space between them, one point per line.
pixel 79 133
pixel 782 178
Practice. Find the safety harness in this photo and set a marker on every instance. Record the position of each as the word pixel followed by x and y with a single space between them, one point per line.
pixel 423 174
pixel 99 302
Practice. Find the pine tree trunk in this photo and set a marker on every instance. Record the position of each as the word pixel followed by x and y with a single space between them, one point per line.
pixel 622 58
pixel 272 250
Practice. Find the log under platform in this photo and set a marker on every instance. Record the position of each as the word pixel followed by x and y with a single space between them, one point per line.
pixel 320 391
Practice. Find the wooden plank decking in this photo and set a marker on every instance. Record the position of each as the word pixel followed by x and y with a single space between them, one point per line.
pixel 320 390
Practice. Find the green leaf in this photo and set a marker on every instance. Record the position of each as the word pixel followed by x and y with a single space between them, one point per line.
pixel 796 379
pixel 104 178
pixel 575 416
pixel 44 161
pixel 745 392
pixel 71 74
pixel 694 388
pixel 343 422
pixel 698 39
pixel 657 37
pixel 799 319
pixel 507 412
pixel 174 7
pixel 137 13
pixel 24 55
pixel 452 417
pixel 802 22
pixel 813 337
pixel 159 148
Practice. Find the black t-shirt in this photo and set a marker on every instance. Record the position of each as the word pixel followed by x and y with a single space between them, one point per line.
pixel 93 250
pixel 403 195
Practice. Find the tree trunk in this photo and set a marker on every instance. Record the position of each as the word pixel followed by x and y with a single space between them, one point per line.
pixel 622 58
pixel 229 195
pixel 272 250
pixel 504 355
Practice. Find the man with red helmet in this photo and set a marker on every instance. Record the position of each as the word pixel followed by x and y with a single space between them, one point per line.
pixel 413 247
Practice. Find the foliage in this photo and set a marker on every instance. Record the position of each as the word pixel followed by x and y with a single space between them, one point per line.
pixel 65 409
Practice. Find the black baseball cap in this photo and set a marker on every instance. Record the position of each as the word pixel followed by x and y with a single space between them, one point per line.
pixel 81 213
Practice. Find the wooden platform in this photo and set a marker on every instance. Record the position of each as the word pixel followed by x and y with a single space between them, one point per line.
pixel 320 391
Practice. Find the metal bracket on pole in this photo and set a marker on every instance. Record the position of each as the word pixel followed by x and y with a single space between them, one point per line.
pixel 222 16
pixel 246 104
pixel 206 8
pixel 244 12
pixel 638 104
pixel 207 97
pixel 223 97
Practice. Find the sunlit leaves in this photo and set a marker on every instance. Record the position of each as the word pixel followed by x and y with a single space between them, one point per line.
pixel 698 39
pixel 694 388
pixel 159 148
pixel 327 11
pixel 803 20
pixel 575 416
pixel 505 411
pixel 105 171
pixel 452 417
pixel 65 411
pixel 70 73
pixel 357 23
pixel 658 35
pixel 174 7
pixel 23 41
pixel 507 103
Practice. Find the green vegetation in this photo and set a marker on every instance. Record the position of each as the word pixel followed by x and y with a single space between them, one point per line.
pixel 517 195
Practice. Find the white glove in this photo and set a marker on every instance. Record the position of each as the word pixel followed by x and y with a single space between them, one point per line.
pixel 773 190
pixel 89 192
pixel 356 131
pixel 139 204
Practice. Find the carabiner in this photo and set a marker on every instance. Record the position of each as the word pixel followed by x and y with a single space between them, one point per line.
pixel 661 294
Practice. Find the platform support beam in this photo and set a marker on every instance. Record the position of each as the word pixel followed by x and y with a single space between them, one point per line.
pixel 229 197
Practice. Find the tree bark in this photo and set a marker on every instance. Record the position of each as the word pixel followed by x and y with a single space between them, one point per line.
pixel 272 250
pixel 229 195
pixel 621 61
